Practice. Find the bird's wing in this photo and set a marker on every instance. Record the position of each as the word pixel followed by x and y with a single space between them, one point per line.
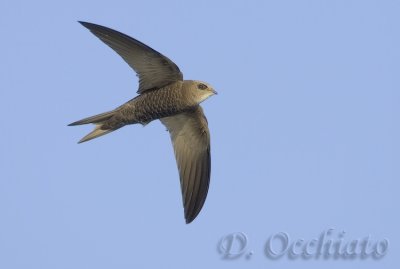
pixel 191 140
pixel 153 69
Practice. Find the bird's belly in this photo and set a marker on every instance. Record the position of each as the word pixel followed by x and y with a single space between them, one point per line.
pixel 157 105
pixel 146 116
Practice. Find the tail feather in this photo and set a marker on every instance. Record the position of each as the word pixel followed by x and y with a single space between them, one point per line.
pixel 95 133
pixel 98 120
pixel 94 119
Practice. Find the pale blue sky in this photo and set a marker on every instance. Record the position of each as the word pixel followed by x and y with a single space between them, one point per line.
pixel 304 132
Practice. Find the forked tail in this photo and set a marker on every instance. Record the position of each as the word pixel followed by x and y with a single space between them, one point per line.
pixel 100 128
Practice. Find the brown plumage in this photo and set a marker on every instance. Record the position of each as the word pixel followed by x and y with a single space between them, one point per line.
pixel 164 95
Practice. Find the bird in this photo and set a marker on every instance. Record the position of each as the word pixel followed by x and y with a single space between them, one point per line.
pixel 163 95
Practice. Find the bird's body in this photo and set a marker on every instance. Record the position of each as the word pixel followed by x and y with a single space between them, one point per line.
pixel 159 103
pixel 164 95
pixel 167 101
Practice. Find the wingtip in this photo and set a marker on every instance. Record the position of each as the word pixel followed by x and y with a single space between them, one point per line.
pixel 189 219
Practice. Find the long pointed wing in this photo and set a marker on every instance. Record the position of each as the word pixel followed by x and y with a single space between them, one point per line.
pixel 153 69
pixel 191 140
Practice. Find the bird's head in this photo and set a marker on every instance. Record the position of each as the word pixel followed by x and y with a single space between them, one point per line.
pixel 199 90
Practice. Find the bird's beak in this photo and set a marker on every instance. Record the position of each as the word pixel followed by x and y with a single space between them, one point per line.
pixel 214 92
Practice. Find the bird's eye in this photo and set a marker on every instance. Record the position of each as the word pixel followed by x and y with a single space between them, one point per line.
pixel 201 86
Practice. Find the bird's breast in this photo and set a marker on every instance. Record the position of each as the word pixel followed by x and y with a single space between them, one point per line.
pixel 158 104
